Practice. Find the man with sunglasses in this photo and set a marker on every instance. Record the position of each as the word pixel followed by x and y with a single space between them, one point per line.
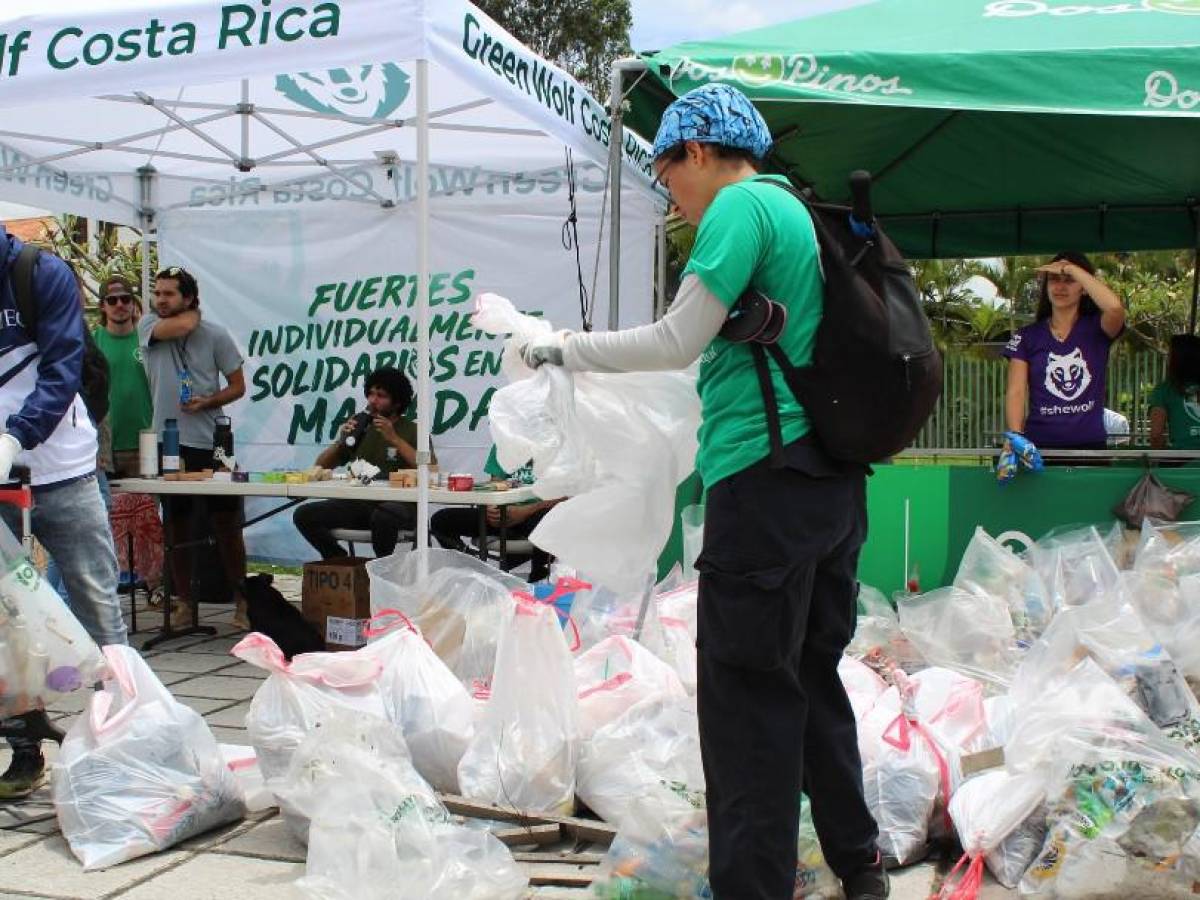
pixel 130 409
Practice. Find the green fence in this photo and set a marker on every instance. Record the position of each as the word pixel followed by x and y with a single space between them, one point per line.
pixel 971 410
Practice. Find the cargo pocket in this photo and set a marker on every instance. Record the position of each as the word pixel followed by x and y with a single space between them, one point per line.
pixel 752 620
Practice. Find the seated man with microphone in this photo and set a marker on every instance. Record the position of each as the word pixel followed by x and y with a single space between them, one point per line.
pixel 381 436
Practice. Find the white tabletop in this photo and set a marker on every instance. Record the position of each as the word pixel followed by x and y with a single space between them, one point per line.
pixel 322 490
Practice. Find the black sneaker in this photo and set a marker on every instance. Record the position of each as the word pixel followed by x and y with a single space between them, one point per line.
pixel 870 883
pixel 34 725
pixel 25 774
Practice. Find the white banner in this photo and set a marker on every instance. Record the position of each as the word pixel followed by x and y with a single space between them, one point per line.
pixel 318 296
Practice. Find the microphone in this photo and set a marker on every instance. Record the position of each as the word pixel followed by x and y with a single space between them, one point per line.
pixel 362 421
pixel 860 193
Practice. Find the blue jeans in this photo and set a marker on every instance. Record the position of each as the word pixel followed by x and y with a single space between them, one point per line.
pixel 53 572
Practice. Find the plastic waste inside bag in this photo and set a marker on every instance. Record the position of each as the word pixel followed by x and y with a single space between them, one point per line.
pixel 460 606
pixel 615 445
pixel 663 855
pixel 44 650
pixel 990 569
pixel 423 697
pixel 616 674
pixel 377 830
pixel 526 744
pixel 1076 564
pixel 138 771
pixel 677 616
pixel 652 751
pixel 962 630
pixel 878 639
pixel 298 694
pixel 1123 810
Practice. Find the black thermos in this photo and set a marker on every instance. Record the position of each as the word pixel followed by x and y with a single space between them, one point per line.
pixel 362 422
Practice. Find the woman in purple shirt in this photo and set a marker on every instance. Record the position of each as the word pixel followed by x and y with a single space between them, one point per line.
pixel 1057 365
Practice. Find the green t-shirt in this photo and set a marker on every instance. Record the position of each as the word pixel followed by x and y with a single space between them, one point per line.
pixel 753 235
pixel 492 467
pixel 1183 414
pixel 130 409
pixel 378 452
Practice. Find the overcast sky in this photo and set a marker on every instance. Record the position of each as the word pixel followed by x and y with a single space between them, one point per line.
pixel 661 23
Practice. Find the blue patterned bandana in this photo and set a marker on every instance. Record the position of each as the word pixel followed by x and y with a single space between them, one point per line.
pixel 713 114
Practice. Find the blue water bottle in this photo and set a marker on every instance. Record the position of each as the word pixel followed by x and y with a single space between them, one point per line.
pixel 170 445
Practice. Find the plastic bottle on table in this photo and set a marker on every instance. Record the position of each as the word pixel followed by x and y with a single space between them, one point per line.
pixel 170 441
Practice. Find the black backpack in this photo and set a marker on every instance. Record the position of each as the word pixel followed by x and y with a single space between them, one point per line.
pixel 94 383
pixel 876 373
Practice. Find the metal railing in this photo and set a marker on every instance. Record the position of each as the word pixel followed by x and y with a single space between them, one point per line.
pixel 970 413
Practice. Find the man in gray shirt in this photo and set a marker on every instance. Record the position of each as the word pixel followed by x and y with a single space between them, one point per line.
pixel 185 358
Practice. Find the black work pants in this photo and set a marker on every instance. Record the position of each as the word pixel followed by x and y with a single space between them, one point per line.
pixel 385 520
pixel 778 592
pixel 450 525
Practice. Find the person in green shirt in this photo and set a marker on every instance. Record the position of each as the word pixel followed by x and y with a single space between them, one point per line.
pixel 1175 402
pixel 130 408
pixel 778 568
pixel 449 526
pixel 389 444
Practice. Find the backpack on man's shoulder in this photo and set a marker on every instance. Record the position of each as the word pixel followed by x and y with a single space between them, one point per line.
pixel 94 381
pixel 876 373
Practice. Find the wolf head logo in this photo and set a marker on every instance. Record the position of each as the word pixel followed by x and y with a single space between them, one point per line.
pixel 374 91
pixel 1067 375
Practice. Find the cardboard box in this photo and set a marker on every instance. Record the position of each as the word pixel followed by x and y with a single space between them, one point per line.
pixel 336 600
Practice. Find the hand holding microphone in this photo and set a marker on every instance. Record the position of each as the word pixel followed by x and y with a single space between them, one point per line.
pixel 354 430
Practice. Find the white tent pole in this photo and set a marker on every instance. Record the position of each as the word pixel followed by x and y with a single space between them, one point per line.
pixel 146 176
pixel 614 182
pixel 424 398
pixel 244 112
pixel 660 268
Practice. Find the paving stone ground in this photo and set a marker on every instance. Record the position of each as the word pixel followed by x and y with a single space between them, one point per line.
pixel 257 858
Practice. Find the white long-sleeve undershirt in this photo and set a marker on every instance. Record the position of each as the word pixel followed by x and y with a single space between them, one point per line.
pixel 673 342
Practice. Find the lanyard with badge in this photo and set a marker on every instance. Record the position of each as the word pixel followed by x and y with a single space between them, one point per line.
pixel 182 371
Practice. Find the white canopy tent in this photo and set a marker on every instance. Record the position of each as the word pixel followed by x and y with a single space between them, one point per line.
pixel 129 110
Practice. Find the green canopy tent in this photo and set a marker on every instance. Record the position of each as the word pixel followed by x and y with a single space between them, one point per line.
pixel 1007 127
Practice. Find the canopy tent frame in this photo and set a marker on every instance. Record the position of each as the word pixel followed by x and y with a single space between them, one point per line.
pixel 418 33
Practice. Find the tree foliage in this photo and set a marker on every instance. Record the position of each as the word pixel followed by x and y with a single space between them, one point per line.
pixel 583 37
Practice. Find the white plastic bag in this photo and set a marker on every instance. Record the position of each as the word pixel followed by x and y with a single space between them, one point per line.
pixel 990 569
pixel 459 605
pixel 652 751
pixel 863 686
pixel 677 616
pixel 878 639
pixel 616 674
pixel 986 810
pixel 297 694
pixel 962 630
pixel 423 697
pixel 138 772
pixel 44 651
pixel 377 828
pixel 526 746
pixel 616 445
pixel 242 761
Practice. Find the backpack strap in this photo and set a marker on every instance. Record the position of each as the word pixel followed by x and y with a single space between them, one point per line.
pixel 21 278
pixel 770 403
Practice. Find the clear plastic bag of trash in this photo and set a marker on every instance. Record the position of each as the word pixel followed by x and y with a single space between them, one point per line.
pixel 989 568
pixel 423 697
pixel 526 744
pixel 138 771
pixel 878 639
pixel 616 674
pixel 377 829
pixel 1171 610
pixel 44 650
pixel 863 686
pixel 1123 807
pixel 1110 631
pixel 297 694
pixel 653 750
pixel 1075 563
pixel 962 630
pixel 459 605
pixel 340 748
pixel 677 616
pixel 663 855
pixel 1169 549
